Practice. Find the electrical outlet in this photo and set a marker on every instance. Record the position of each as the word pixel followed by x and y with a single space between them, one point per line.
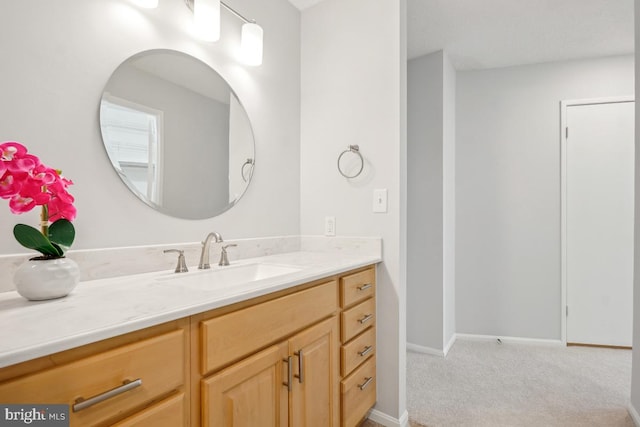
pixel 329 225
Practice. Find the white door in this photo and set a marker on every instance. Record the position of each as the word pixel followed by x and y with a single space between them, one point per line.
pixel 599 223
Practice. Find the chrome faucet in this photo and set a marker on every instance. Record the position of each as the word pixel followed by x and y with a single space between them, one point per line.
pixel 182 265
pixel 204 255
pixel 224 258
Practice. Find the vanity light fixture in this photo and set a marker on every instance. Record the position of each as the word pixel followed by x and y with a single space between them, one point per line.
pixel 206 15
pixel 251 44
pixel 206 19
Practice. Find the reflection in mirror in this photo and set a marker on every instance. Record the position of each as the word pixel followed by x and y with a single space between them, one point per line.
pixel 176 134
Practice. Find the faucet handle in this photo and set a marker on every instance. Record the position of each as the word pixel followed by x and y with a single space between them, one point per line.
pixel 224 259
pixel 182 265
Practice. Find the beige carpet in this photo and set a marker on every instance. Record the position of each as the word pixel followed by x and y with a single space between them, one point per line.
pixel 488 384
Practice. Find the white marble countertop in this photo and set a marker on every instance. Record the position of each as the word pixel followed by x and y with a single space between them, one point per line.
pixel 100 309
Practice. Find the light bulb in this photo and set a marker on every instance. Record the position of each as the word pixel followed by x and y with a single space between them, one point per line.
pixel 251 44
pixel 206 18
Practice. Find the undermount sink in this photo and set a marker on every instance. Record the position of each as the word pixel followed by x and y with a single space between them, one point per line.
pixel 223 277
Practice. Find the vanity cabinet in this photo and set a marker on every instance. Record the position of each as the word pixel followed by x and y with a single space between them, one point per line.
pixel 293 382
pixel 299 357
pixel 358 339
pixel 138 379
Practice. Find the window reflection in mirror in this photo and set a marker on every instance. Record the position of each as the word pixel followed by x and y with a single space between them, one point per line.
pixel 132 139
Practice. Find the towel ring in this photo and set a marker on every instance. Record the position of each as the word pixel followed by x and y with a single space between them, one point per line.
pixel 249 163
pixel 352 149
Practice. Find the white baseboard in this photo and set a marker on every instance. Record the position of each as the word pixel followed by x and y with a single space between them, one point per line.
pixel 516 340
pixel 634 415
pixel 425 350
pixel 432 351
pixel 474 337
pixel 450 344
pixel 389 421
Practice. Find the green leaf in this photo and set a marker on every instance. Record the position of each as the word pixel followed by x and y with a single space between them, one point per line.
pixel 62 233
pixel 31 238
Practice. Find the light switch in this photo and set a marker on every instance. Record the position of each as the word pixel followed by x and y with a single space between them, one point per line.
pixel 380 200
pixel 329 225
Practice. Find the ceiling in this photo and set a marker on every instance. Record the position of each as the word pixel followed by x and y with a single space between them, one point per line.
pixel 303 4
pixel 497 33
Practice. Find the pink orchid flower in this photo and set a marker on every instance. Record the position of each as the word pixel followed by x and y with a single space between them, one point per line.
pixel 43 175
pixel 14 157
pixel 9 186
pixel 27 183
pixel 20 204
pixel 32 189
pixel 60 209
pixel 23 165
pixel 11 149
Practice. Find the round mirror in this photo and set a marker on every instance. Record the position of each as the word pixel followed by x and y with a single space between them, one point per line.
pixel 176 134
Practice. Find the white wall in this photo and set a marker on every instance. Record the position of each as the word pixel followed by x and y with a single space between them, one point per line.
pixel 57 59
pixel 353 92
pixel 508 190
pixel 425 197
pixel 449 201
pixel 431 203
pixel 635 371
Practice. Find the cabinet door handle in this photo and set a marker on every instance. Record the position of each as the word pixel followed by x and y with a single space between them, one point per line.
pixel 364 287
pixel 366 382
pixel 289 382
pixel 368 349
pixel 300 375
pixel 366 318
pixel 127 385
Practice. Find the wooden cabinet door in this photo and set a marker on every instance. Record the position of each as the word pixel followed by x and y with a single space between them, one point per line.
pixel 249 393
pixel 168 413
pixel 314 395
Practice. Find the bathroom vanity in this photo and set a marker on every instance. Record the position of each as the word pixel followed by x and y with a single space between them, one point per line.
pixel 295 349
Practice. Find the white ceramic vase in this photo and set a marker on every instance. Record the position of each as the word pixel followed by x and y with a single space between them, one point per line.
pixel 43 279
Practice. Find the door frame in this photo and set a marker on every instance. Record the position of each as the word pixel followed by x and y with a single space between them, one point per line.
pixel 563 194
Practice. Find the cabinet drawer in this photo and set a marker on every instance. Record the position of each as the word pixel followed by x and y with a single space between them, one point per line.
pixel 357 287
pixel 358 393
pixel 158 362
pixel 357 351
pixel 168 413
pixel 357 319
pixel 232 336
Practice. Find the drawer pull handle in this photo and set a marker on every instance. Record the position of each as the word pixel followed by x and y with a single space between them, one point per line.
pixel 366 318
pixel 126 386
pixel 368 349
pixel 289 382
pixel 300 375
pixel 364 287
pixel 366 382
